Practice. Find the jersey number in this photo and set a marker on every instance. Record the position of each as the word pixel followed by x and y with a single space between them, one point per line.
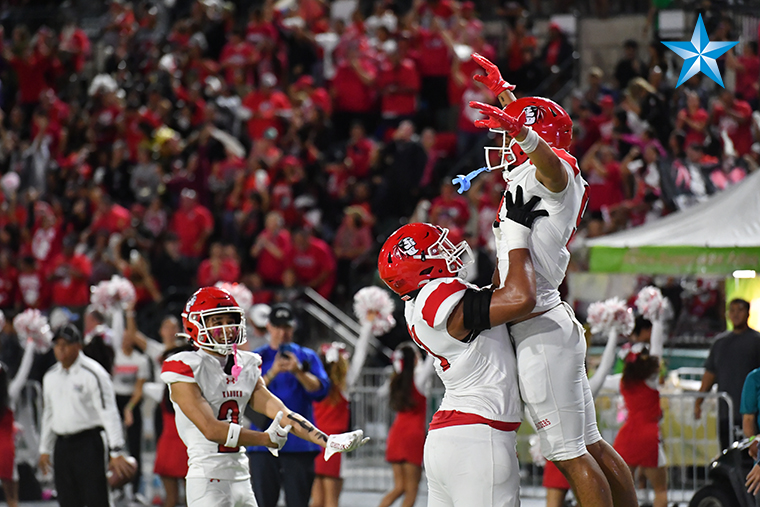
pixel 584 203
pixel 445 365
pixel 229 412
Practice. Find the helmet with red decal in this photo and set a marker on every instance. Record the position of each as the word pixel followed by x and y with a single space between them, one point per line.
pixel 545 117
pixel 212 320
pixel 418 253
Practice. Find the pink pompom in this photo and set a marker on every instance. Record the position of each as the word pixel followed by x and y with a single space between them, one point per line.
pixel 31 324
pixel 240 292
pixel 652 304
pixel 118 292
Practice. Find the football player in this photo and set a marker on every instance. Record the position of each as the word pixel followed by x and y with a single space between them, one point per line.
pixel 550 345
pixel 210 388
pixel 470 457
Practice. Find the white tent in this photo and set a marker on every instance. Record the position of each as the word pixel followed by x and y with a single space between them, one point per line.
pixel 722 232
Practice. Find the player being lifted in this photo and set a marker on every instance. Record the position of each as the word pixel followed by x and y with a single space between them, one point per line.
pixel 470 457
pixel 550 342
pixel 210 388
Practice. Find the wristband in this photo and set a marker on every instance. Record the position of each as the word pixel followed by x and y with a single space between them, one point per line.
pixel 233 434
pixel 530 143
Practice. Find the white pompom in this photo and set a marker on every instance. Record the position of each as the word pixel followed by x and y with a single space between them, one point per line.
pixel 240 292
pixel 375 299
pixel 118 292
pixel 652 305
pixel 612 314
pixel 32 324
pixel 535 451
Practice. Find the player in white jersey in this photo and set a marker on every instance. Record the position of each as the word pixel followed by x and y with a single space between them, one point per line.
pixel 550 344
pixel 470 455
pixel 210 388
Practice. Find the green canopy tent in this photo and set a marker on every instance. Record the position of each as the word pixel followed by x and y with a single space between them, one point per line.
pixel 714 237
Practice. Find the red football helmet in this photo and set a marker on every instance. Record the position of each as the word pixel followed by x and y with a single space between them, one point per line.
pixel 545 117
pixel 418 253
pixel 208 302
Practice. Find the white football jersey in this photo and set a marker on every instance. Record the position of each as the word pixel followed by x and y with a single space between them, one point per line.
pixel 550 235
pixel 227 397
pixel 480 377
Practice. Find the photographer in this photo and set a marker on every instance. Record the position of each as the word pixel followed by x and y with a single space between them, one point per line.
pixel 295 375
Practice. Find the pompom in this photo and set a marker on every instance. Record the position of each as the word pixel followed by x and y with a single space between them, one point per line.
pixel 535 451
pixel 118 292
pixel 32 324
pixel 240 292
pixel 612 314
pixel 375 299
pixel 652 305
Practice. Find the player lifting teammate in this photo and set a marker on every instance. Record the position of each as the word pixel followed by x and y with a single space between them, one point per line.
pixel 210 388
pixel 461 326
pixel 550 342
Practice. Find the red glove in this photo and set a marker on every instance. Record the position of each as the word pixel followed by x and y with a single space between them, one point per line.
pixel 497 119
pixel 492 79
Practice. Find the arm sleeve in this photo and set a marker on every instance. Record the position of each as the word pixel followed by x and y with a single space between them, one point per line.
pixel 596 382
pixel 749 394
pixel 47 437
pixel 175 370
pixel 657 341
pixel 423 375
pixel 360 355
pixel 105 405
pixel 710 363
pixel 14 389
pixel 317 369
pixel 153 349
pixel 117 328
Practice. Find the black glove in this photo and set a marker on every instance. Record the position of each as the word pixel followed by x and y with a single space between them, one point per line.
pixel 523 214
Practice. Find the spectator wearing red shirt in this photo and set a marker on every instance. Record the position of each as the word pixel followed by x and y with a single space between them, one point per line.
pixel 693 120
pixel 359 152
pixel 353 240
pixel 268 107
pixel 31 66
pixel 318 97
pixel 313 262
pixel 733 116
pixel 75 45
pixel 8 281
pixel 747 67
pixel 69 274
pixel 605 184
pixel 449 205
pixel 353 91
pixel 399 83
pixel 434 65
pixel 46 239
pixel 109 216
pixel 217 268
pixel 272 249
pixel 237 55
pixel 32 290
pixel 193 224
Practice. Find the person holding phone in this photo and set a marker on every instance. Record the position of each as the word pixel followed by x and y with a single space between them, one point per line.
pixel 295 375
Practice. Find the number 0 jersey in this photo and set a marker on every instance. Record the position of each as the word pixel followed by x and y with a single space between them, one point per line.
pixel 550 235
pixel 480 377
pixel 227 397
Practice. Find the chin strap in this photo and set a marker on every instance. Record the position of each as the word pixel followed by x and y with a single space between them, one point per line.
pixel 464 181
pixel 236 369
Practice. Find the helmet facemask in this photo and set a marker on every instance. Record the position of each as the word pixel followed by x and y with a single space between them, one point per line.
pixel 219 338
pixel 454 255
pixel 503 154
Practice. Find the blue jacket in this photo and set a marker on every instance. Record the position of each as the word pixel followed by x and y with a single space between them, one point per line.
pixel 286 387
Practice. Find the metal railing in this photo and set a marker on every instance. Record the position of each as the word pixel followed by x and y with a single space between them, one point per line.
pixel 690 445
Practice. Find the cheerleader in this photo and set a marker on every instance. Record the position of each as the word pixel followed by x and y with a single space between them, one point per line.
pixel 9 393
pixel 639 441
pixel 409 385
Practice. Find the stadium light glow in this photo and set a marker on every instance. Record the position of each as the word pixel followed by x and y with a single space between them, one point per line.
pixel 745 273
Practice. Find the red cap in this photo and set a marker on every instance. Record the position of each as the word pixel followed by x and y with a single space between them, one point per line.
pixel 607 101
pixel 304 81
pixel 554 26
pixel 291 160
pixel 468 6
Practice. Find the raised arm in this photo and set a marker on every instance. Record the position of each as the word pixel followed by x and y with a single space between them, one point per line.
pixel 423 374
pixel 493 80
pixel 596 382
pixel 17 384
pixel 549 169
pixel 360 353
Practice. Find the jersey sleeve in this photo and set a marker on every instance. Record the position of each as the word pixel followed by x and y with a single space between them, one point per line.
pixel 180 367
pixel 437 299
pixel 749 394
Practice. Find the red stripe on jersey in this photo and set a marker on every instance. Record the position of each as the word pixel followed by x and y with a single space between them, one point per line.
pixel 446 418
pixel 445 365
pixel 177 367
pixel 437 297
pixel 569 159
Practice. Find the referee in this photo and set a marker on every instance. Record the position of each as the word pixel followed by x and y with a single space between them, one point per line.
pixel 79 404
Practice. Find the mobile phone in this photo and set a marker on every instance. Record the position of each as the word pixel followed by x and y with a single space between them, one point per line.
pixel 286 349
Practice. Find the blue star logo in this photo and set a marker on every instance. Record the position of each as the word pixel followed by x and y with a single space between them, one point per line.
pixel 699 54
